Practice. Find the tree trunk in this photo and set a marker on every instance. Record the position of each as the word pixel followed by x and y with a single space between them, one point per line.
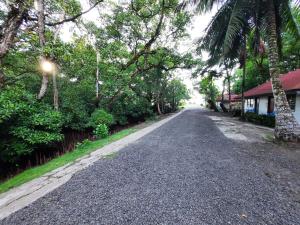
pixel 97 76
pixel 55 92
pixel 222 102
pixel 286 127
pixel 8 30
pixel 223 90
pixel 44 86
pixel 243 78
pixel 229 89
pixel 41 33
pixel 158 108
pixel 243 90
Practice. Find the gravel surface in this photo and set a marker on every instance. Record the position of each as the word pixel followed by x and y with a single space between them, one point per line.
pixel 185 172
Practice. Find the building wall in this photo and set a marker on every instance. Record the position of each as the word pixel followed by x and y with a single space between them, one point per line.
pixel 248 107
pixel 263 105
pixel 297 109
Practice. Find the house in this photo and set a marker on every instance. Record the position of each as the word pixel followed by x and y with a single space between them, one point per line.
pixel 260 99
pixel 234 99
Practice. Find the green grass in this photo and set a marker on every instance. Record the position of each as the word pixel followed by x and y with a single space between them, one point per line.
pixel 83 149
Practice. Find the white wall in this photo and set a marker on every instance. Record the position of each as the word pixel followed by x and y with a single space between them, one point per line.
pixel 263 105
pixel 297 109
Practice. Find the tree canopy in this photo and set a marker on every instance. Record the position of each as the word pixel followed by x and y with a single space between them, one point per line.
pixel 122 64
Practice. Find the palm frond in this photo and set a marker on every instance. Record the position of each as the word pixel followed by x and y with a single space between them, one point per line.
pixel 288 19
pixel 237 23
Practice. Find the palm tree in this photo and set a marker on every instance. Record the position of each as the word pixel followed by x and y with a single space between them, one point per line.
pixel 268 18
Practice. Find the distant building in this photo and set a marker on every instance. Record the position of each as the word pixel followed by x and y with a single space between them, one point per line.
pixel 234 99
pixel 260 99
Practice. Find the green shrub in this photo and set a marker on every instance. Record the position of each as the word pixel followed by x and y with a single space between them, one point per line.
pixel 101 131
pixel 25 124
pixel 100 116
pixel 264 120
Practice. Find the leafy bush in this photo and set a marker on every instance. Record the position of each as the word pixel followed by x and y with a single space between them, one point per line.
pixel 265 120
pixel 100 116
pixel 25 124
pixel 77 104
pixel 101 131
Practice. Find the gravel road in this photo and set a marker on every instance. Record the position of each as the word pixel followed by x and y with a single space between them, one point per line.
pixel 185 172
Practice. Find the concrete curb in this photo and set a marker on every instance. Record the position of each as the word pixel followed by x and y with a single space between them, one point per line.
pixel 20 197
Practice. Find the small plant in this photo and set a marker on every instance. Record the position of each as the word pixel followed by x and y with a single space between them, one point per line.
pixel 83 143
pixel 101 131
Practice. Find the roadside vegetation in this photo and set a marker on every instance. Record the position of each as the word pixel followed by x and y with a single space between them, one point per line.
pixel 81 149
pixel 110 74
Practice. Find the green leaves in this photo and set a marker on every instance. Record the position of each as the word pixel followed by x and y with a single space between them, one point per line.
pixel 101 131
pixel 100 116
pixel 25 123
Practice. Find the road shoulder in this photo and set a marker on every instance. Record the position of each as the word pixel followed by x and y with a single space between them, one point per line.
pixel 20 197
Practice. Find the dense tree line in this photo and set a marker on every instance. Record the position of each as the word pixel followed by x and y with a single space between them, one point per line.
pixel 122 65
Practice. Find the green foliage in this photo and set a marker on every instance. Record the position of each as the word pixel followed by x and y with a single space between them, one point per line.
pixel 255 75
pixel 101 131
pixel 25 124
pixel 101 117
pixel 264 120
pixel 135 73
pixel 175 93
pixel 209 89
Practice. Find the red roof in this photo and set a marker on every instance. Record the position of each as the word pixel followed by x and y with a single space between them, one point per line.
pixel 234 97
pixel 290 81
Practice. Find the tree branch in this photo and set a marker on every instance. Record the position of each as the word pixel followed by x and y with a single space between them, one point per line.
pixel 150 41
pixel 70 19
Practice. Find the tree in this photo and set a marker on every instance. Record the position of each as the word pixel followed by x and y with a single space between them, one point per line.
pixel 22 12
pixel 274 16
pixel 137 61
pixel 209 90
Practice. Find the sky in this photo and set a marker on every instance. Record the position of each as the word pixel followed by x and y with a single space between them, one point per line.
pixel 195 30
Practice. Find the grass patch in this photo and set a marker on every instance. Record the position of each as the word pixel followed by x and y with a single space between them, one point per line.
pixel 82 149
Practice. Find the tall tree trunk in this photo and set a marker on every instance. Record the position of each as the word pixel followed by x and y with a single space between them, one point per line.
pixel 243 91
pixel 55 91
pixel 41 32
pixel 243 77
pixel 286 128
pixel 158 108
pixel 223 90
pixel 97 76
pixel 229 88
pixel 8 30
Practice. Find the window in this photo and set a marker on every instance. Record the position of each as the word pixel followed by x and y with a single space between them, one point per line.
pixel 292 101
pixel 270 105
pixel 251 102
